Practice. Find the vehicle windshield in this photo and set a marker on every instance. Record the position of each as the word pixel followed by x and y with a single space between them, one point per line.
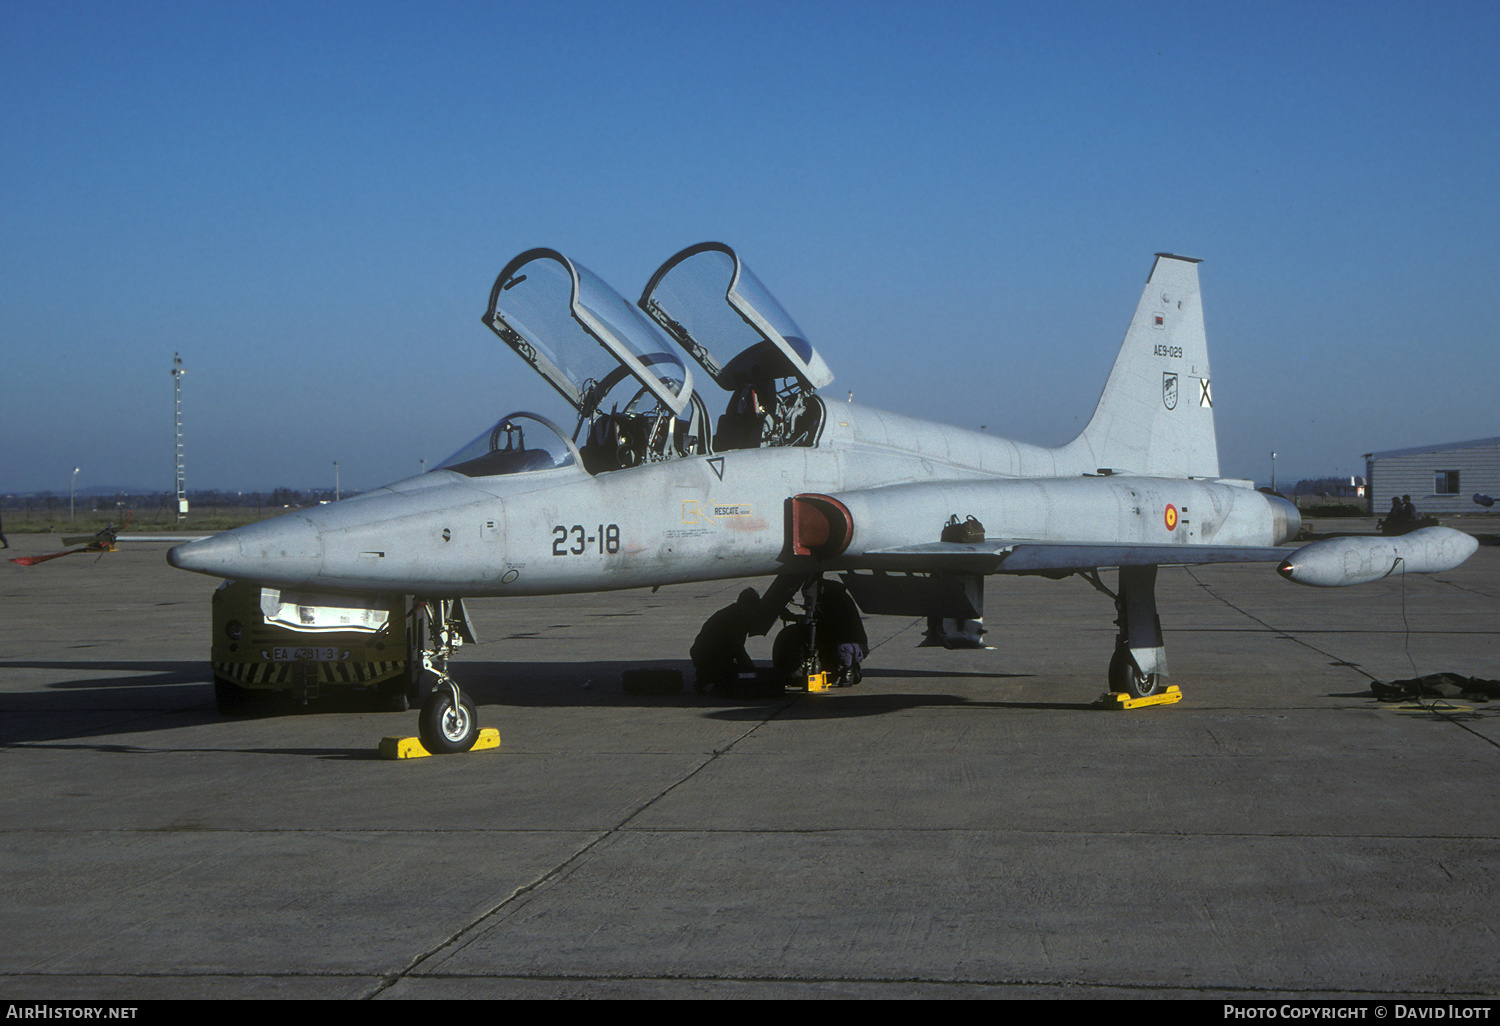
pixel 517 444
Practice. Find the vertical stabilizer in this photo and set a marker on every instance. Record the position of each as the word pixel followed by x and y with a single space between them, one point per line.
pixel 1156 415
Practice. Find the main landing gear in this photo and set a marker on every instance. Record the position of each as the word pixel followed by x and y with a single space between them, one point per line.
pixel 1126 678
pixel 448 722
pixel 805 654
pixel 1138 667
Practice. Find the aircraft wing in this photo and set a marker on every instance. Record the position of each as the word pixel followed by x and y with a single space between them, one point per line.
pixel 1020 556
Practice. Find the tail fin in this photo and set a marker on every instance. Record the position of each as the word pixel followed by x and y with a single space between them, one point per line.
pixel 1156 415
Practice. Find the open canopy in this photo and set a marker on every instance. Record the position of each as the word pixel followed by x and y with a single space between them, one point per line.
pixel 583 336
pixel 719 311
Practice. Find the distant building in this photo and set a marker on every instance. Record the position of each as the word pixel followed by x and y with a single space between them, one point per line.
pixel 1439 478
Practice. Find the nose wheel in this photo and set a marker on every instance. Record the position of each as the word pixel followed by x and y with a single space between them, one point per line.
pixel 448 722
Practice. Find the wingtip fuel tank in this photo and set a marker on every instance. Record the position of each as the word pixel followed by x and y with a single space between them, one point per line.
pixel 1340 562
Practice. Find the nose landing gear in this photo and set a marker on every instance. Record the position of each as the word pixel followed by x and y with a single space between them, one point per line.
pixel 448 723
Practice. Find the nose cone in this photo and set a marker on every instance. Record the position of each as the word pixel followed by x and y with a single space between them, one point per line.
pixel 206 555
pixel 286 550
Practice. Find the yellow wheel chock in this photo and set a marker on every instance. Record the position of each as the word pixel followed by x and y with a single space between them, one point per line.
pixel 411 748
pixel 1120 700
pixel 817 682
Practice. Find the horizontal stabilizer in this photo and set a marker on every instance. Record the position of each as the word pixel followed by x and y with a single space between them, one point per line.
pixel 1020 557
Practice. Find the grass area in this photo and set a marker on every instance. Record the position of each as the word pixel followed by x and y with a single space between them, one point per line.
pixel 147 521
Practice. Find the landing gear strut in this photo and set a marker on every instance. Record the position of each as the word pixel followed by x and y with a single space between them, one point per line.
pixel 808 646
pixel 448 722
pixel 1140 660
pixel 1138 667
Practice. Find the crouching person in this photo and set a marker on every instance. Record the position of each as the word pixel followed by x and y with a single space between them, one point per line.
pixel 718 653
pixel 843 632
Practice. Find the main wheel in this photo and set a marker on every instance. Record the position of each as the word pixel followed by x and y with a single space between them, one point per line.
pixel 445 728
pixel 789 658
pixel 392 695
pixel 1124 677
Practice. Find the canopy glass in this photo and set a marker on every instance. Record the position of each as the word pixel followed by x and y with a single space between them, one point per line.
pixel 721 313
pixel 583 336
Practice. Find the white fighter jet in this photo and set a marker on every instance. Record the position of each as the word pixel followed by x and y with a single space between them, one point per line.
pixel 703 451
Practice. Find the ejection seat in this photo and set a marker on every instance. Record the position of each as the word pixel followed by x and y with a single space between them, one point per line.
pixel 743 423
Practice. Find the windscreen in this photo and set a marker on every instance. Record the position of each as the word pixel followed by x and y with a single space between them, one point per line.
pixel 518 443
pixel 633 329
pixel 536 301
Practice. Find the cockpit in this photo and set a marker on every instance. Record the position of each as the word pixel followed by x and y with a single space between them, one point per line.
pixel 618 365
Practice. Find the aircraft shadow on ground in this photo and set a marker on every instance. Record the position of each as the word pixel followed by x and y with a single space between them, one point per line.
pixel 596 684
pixel 149 673
pixel 104 698
pixel 947 674
pixel 852 705
pixel 100 698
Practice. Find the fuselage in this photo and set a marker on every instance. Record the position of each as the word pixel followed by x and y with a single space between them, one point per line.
pixel 561 530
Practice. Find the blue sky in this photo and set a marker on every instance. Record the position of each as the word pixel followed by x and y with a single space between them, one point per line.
pixel 958 202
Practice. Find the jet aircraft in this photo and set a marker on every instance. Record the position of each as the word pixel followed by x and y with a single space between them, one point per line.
pixel 702 450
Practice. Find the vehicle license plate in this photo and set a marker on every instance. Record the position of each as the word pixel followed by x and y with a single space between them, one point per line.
pixel 316 654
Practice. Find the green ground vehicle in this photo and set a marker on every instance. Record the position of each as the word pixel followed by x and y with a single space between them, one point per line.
pixel 269 643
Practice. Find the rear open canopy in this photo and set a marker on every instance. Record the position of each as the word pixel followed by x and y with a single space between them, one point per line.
pixel 719 311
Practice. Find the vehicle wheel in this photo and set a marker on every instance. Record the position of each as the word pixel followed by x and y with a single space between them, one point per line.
pixel 394 695
pixel 232 699
pixel 404 692
pixel 1124 677
pixel 444 729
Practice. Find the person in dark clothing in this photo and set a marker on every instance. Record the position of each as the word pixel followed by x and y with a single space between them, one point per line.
pixel 841 633
pixel 1398 511
pixel 718 653
pixel 1408 509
